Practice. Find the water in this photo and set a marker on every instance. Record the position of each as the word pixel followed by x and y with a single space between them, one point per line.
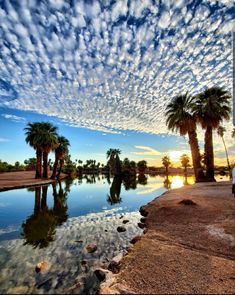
pixel 53 225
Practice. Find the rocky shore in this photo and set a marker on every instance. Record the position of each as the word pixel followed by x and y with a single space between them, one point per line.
pixel 188 245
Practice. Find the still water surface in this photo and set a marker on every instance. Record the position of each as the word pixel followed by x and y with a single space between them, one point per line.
pixel 54 224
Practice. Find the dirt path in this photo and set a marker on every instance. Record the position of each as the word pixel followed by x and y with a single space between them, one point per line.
pixel 21 179
pixel 187 248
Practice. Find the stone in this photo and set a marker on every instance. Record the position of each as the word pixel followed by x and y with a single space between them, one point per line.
pixel 125 221
pixel 42 266
pixel 83 262
pixel 143 211
pixel 187 202
pixel 18 290
pixel 135 239
pixel 143 219
pixel 91 248
pixel 141 225
pixel 100 274
pixel 121 229
pixel 115 264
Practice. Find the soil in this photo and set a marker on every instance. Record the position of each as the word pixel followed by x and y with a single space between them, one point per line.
pixel 188 245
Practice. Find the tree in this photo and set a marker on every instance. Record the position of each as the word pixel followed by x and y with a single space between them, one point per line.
pixel 166 163
pixel 34 138
pixel 179 119
pixel 114 161
pixel 142 166
pixel 50 142
pixel 60 151
pixel 220 132
pixel 184 159
pixel 210 108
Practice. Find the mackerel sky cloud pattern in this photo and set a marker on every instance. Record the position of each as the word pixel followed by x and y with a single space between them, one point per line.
pixel 112 65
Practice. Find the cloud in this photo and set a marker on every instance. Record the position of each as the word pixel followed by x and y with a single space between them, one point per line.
pixel 3 139
pixel 13 118
pixel 112 66
pixel 146 151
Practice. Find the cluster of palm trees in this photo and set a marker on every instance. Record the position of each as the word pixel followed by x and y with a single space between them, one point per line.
pixel 43 137
pixel 209 108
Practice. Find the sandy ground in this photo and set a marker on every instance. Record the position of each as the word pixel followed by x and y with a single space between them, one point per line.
pixel 21 179
pixel 186 249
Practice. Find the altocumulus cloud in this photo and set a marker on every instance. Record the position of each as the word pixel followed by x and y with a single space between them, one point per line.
pixel 112 65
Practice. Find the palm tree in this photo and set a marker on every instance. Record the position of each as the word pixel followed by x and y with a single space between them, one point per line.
pixel 166 163
pixel 114 161
pixel 184 159
pixel 210 107
pixel 60 152
pixel 220 132
pixel 179 119
pixel 50 142
pixel 34 138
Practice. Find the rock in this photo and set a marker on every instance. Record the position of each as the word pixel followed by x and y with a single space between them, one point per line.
pixel 135 239
pixel 83 262
pixel 143 211
pixel 143 219
pixel 18 290
pixel 42 266
pixel 121 229
pixel 91 248
pixel 187 202
pixel 115 264
pixel 100 274
pixel 141 225
pixel 125 221
pixel 121 217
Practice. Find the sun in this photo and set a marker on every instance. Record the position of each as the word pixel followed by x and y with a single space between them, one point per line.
pixel 175 155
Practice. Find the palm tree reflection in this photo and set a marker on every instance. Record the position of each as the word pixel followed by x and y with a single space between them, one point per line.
pixel 167 182
pixel 115 191
pixel 39 228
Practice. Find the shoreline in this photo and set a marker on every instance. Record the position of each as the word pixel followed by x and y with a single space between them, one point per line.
pixel 186 248
pixel 22 179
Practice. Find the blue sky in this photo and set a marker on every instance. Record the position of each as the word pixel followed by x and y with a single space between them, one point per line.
pixel 104 71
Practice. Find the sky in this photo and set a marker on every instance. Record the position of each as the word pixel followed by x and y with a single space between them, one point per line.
pixel 104 71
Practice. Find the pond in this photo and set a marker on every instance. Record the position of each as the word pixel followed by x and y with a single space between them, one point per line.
pixel 45 230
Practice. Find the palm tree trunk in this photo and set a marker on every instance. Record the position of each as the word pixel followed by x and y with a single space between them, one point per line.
pixel 55 167
pixel 209 155
pixel 226 152
pixel 45 164
pixel 38 164
pixel 60 168
pixel 37 199
pixel 196 157
pixel 44 198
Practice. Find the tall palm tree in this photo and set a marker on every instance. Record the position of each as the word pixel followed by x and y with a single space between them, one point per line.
pixel 210 107
pixel 34 138
pixel 166 163
pixel 114 161
pixel 179 119
pixel 60 151
pixel 50 142
pixel 184 159
pixel 220 132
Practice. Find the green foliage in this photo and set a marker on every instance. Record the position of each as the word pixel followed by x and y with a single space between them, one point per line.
pixel 142 166
pixel 6 167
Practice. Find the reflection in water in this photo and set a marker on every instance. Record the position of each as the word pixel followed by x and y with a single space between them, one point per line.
pixel 130 182
pixel 167 182
pixel 142 179
pixel 115 191
pixel 39 228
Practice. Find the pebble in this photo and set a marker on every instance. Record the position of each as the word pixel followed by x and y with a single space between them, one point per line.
pixel 121 229
pixel 91 248
pixel 18 290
